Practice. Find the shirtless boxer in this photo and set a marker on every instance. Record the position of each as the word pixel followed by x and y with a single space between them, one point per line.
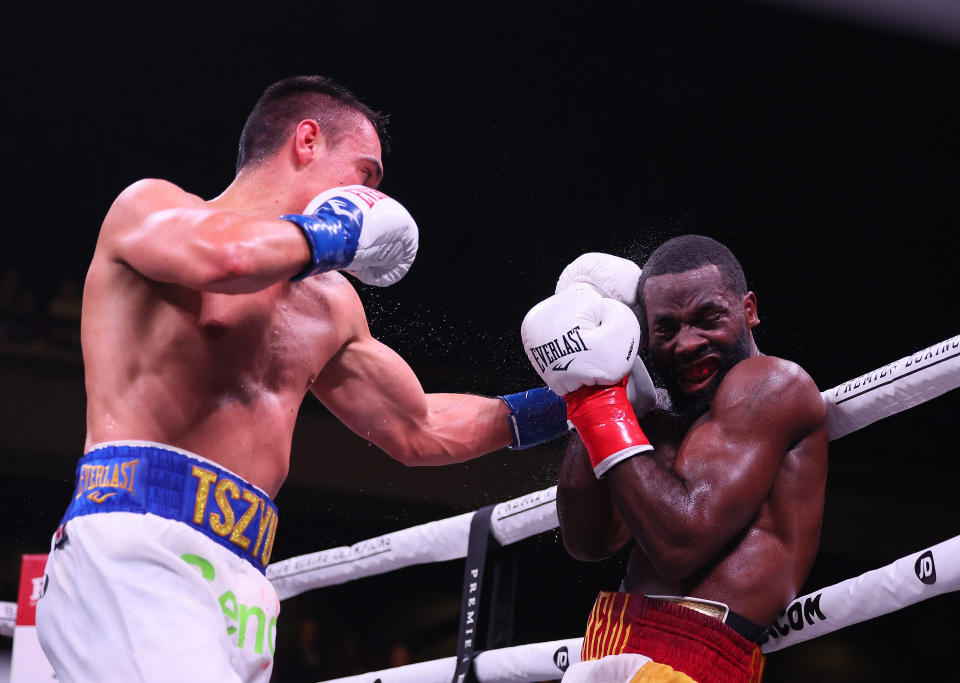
pixel 718 490
pixel 204 325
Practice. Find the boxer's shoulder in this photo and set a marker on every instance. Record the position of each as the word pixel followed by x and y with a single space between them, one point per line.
pixel 770 386
pixel 143 198
pixel 152 193
pixel 770 371
pixel 330 295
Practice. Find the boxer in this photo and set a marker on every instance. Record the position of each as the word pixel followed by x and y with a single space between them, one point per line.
pixel 205 323
pixel 716 489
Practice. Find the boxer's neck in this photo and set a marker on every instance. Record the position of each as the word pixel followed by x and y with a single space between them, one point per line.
pixel 264 190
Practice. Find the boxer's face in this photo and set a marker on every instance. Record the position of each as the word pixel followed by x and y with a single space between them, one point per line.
pixel 697 330
pixel 354 158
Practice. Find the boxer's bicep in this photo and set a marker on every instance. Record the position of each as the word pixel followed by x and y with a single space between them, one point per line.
pixel 730 461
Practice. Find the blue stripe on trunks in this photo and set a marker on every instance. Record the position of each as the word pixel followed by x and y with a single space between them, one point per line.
pixel 142 478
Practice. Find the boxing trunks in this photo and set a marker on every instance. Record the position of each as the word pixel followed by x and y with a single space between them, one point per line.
pixel 631 638
pixel 157 572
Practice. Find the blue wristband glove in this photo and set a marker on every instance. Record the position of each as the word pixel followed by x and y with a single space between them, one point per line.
pixel 332 232
pixel 537 416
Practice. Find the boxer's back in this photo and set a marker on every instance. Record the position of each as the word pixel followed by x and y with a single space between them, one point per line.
pixel 221 375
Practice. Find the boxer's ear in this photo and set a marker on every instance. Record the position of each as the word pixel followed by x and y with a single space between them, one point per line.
pixel 309 142
pixel 750 310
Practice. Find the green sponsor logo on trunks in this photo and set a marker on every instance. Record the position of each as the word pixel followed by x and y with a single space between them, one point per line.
pixel 238 613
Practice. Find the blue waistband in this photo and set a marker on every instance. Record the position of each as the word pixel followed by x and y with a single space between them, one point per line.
pixel 146 478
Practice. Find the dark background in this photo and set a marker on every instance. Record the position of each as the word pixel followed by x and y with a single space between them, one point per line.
pixel 821 148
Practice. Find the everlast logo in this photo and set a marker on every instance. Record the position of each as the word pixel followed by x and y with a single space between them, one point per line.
pixel 92 479
pixel 552 351
pixel 796 614
pixel 562 658
pixel 925 569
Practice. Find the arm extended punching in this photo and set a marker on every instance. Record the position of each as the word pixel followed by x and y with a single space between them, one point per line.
pixel 372 390
pixel 725 467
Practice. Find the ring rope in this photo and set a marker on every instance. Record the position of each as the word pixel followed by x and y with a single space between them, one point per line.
pixel 852 405
pixel 909 580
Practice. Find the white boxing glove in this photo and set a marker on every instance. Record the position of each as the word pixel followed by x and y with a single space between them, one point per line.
pixel 640 390
pixel 577 338
pixel 583 346
pixel 616 278
pixel 359 230
pixel 613 277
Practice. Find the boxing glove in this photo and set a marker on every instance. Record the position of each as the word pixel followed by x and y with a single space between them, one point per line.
pixel 615 278
pixel 359 230
pixel 584 345
pixel 611 276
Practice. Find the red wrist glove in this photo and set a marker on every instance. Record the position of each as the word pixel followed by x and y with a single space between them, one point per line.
pixel 607 424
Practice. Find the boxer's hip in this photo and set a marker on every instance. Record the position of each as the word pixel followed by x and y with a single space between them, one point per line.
pixel 673 632
pixel 155 479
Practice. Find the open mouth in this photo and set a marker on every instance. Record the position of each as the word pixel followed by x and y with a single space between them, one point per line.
pixel 695 375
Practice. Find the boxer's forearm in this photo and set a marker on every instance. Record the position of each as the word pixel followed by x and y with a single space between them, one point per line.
pixel 214 251
pixel 589 525
pixel 457 428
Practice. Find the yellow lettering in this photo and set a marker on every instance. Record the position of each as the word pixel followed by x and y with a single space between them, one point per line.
pixel 80 479
pixel 268 544
pixel 264 521
pixel 98 477
pixel 237 535
pixel 206 477
pixel 223 526
pixel 133 471
pixel 114 480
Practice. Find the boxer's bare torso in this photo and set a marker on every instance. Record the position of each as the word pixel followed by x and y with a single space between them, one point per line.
pixel 194 336
pixel 728 505
pixel 221 375
pixel 763 567
pixel 720 518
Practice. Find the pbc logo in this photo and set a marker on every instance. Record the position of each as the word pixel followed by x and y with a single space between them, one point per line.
pixel 925 569
pixel 562 658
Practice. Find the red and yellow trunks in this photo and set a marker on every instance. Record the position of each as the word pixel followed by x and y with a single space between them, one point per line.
pixel 675 637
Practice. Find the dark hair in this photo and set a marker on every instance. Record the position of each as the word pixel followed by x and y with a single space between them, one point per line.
pixel 288 102
pixel 689 252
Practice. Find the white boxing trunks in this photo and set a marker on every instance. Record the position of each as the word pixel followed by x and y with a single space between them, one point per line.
pixel 157 572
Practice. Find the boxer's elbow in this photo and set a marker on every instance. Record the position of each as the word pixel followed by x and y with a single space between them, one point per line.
pixel 584 547
pixel 676 563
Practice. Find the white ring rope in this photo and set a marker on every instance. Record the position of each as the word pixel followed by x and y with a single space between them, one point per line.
pixel 909 580
pixel 851 405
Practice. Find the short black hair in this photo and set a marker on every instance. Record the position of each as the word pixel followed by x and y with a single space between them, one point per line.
pixel 689 252
pixel 288 102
